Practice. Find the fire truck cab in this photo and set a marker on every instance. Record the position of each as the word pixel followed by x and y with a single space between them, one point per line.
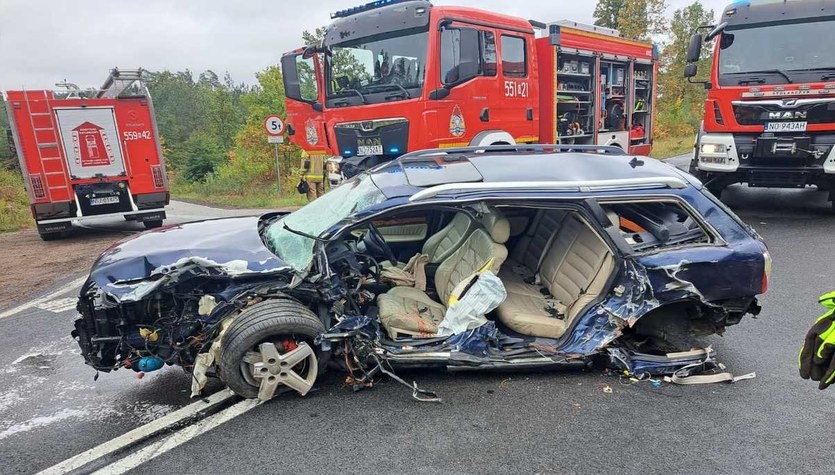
pixel 769 117
pixel 89 157
pixel 395 76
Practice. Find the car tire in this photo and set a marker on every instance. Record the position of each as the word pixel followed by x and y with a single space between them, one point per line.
pixel 267 321
pixel 51 236
pixel 152 224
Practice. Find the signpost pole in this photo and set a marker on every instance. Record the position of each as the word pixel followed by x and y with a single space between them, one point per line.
pixel 277 167
pixel 275 130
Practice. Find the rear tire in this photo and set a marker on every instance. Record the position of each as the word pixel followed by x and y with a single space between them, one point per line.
pixel 152 224
pixel 267 321
pixel 51 236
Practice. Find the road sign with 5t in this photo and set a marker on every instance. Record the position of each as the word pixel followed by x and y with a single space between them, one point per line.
pixel 274 125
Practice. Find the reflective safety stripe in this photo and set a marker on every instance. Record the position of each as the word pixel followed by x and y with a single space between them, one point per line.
pixel 314 177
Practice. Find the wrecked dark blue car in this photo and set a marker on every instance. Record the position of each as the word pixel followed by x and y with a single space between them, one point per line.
pixel 497 258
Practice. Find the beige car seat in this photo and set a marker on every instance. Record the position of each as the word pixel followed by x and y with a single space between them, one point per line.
pixel 407 311
pixel 571 273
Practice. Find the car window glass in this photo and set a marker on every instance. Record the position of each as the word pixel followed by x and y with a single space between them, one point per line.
pixel 343 201
pixel 653 225
pixel 488 53
pixel 514 62
pixel 308 88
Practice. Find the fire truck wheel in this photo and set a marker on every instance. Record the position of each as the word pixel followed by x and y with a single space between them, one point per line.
pixel 50 236
pixel 152 224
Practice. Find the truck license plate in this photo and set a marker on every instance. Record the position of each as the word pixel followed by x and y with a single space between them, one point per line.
pixel 369 147
pixel 104 200
pixel 785 127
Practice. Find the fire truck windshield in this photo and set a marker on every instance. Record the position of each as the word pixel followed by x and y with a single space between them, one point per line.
pixel 377 69
pixel 777 53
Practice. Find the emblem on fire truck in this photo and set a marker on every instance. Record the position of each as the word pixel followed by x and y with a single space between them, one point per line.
pixel 457 127
pixel 91 146
pixel 311 133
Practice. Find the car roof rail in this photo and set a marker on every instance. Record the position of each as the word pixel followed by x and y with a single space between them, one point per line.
pixel 522 147
pixel 621 184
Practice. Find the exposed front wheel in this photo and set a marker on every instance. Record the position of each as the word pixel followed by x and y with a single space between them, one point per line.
pixel 268 349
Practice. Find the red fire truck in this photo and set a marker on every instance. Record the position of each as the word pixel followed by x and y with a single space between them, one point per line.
pixel 393 76
pixel 90 157
pixel 769 117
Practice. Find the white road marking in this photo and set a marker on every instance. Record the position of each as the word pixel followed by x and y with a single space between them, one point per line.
pixel 46 298
pixel 138 434
pixel 159 447
pixel 59 305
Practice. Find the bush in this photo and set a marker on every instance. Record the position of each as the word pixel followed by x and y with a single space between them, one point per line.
pixel 198 157
pixel 14 204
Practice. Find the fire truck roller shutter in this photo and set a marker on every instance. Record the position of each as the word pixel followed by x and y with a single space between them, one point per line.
pixel 492 137
pixel 91 141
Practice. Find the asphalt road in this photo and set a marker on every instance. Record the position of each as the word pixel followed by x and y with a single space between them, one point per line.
pixel 50 408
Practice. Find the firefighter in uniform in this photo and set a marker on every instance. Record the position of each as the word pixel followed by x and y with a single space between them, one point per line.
pixel 313 172
pixel 817 357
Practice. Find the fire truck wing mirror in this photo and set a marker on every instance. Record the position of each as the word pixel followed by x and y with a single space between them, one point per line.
pixel 469 65
pixel 317 106
pixel 694 49
pixel 716 31
pixel 439 93
pixel 310 51
pixel 690 70
pixel 461 55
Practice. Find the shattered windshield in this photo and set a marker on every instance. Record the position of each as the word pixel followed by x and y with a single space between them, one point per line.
pixel 318 216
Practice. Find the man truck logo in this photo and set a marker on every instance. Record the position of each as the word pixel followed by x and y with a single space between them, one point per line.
pixel 457 127
pixel 787 115
pixel 90 146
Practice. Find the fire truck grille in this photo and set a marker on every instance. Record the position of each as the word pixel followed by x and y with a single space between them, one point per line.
pixel 159 182
pixel 37 186
pixel 821 112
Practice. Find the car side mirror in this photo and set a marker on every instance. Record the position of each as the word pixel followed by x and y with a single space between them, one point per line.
pixel 317 106
pixel 694 49
pixel 691 70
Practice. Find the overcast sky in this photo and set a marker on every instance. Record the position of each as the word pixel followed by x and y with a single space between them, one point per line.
pixel 44 41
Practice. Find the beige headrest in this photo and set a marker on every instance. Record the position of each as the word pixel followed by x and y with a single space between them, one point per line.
pixel 496 225
pixel 614 218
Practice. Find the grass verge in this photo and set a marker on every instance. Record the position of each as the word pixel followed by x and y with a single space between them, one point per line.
pixel 254 197
pixel 14 205
pixel 671 146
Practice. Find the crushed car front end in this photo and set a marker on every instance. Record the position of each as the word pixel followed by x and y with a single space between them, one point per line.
pixel 157 298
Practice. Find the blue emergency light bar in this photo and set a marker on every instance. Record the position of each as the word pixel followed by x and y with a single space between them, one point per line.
pixel 364 8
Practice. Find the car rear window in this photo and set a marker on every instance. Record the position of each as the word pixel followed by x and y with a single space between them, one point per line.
pixel 649 225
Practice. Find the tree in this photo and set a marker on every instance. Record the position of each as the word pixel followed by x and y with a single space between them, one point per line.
pixel 676 93
pixel 607 12
pixel 639 19
pixel 199 156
